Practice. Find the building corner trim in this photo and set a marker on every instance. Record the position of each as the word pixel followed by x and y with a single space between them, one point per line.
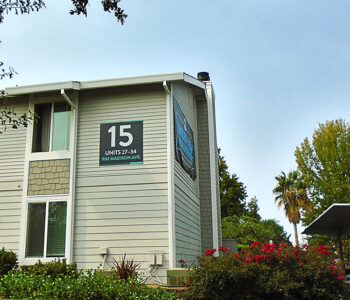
pixel 212 154
pixel 170 166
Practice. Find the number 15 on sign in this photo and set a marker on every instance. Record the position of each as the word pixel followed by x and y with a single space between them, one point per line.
pixel 122 133
pixel 121 142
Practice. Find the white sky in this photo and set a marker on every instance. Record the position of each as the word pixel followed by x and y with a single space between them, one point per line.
pixel 279 67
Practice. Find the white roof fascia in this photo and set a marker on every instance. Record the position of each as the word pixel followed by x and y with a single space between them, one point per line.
pixel 193 81
pixel 149 79
pixel 84 85
pixel 31 89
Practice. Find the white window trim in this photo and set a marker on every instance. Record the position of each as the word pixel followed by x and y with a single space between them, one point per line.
pixel 47 200
pixel 35 156
pixel 49 155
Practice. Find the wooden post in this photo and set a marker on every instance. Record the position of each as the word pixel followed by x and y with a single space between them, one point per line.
pixel 341 250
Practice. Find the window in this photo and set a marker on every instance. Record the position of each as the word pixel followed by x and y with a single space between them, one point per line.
pixel 46 229
pixel 52 127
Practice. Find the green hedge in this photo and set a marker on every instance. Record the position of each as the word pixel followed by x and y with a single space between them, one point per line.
pixel 8 261
pixel 87 285
pixel 267 272
pixel 54 268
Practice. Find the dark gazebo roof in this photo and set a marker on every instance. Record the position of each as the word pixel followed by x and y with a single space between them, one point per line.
pixel 334 220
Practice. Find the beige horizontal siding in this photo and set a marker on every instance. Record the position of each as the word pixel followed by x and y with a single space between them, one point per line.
pixel 12 152
pixel 121 207
pixel 187 211
pixel 158 221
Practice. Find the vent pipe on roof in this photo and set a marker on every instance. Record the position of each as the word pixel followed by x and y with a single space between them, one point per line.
pixel 203 76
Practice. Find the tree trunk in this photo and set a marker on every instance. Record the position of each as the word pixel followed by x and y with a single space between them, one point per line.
pixel 296 234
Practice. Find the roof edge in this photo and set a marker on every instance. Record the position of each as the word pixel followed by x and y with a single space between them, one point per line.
pixel 104 83
pixel 321 215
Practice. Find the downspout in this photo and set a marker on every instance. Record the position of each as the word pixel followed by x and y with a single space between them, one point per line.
pixel 73 147
pixel 339 234
pixel 65 96
pixel 170 167
pixel 213 162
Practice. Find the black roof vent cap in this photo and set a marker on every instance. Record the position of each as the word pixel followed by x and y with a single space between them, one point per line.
pixel 203 76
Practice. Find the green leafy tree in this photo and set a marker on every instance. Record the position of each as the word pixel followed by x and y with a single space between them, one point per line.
pixel 246 229
pixel 28 6
pixel 253 208
pixel 232 192
pixel 9 118
pixel 325 165
pixel 291 194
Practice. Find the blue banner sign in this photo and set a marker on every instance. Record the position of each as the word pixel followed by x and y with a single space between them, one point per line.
pixel 184 142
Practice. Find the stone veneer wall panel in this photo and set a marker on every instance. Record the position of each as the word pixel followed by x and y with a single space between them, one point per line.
pixel 49 177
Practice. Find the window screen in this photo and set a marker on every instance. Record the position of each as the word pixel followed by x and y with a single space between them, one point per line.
pixel 36 229
pixel 61 127
pixel 56 231
pixel 42 124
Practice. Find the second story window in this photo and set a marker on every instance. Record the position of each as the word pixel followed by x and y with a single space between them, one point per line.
pixel 52 127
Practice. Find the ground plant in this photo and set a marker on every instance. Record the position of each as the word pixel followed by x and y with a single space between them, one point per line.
pixel 58 280
pixel 53 269
pixel 8 261
pixel 267 271
pixel 125 268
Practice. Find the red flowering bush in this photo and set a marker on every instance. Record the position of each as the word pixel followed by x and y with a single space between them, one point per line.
pixel 267 271
pixel 210 252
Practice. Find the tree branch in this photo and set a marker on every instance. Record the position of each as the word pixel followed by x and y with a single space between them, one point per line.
pixel 9 118
pixel 19 7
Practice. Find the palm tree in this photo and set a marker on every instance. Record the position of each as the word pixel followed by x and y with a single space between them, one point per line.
pixel 291 193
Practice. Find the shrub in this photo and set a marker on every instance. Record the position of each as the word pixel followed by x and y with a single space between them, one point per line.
pixel 267 272
pixel 8 261
pixel 125 268
pixel 87 285
pixel 53 268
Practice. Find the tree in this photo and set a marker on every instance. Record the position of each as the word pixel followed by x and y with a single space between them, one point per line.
pixel 325 165
pixel 232 192
pixel 29 6
pixel 253 208
pixel 9 118
pixel 291 193
pixel 245 230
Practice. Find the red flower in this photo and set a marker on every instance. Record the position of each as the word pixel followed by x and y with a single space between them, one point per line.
pixel 323 250
pixel 259 257
pixel 341 277
pixel 255 244
pixel 235 255
pixel 248 260
pixel 268 248
pixel 333 269
pixel 181 261
pixel 210 252
pixel 222 249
